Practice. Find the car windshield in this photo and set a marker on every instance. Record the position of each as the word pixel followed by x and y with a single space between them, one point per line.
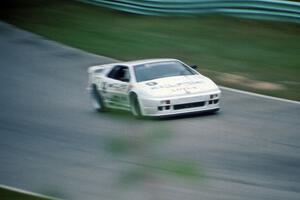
pixel 150 71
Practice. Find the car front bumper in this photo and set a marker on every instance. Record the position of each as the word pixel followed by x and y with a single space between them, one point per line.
pixel 180 105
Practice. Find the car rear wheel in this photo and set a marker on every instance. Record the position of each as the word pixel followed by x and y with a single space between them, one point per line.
pixel 135 106
pixel 97 99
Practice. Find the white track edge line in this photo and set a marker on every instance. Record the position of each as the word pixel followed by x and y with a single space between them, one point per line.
pixel 27 192
pixel 259 95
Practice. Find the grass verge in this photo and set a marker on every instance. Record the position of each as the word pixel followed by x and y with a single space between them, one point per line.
pixel 257 56
pixel 6 194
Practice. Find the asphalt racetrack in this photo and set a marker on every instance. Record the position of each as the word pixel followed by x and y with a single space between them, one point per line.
pixel 53 143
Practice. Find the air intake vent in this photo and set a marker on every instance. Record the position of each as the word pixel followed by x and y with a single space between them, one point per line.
pixel 189 105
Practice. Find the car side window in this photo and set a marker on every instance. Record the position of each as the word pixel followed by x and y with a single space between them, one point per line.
pixel 120 73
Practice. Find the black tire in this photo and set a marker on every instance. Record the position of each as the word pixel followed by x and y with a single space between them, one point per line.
pixel 135 106
pixel 97 100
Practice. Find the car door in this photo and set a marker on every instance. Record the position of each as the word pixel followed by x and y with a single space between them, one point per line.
pixel 115 89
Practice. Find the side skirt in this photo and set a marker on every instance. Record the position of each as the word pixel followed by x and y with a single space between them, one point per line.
pixel 113 105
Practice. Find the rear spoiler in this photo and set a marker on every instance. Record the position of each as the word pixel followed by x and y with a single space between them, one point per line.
pixel 96 68
pixel 91 71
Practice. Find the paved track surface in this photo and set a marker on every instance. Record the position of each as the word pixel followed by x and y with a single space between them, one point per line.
pixel 53 143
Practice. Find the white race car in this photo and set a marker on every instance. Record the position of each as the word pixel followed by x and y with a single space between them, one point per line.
pixel 153 87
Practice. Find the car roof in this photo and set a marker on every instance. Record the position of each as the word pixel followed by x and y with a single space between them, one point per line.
pixel 139 62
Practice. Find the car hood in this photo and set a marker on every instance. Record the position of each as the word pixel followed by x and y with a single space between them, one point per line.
pixel 178 86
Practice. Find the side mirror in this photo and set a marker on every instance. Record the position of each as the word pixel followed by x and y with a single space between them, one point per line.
pixel 194 66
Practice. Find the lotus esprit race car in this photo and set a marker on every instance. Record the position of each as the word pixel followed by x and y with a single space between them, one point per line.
pixel 154 87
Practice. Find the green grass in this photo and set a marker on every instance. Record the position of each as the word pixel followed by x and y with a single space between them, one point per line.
pixel 258 51
pixel 178 170
pixel 6 194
